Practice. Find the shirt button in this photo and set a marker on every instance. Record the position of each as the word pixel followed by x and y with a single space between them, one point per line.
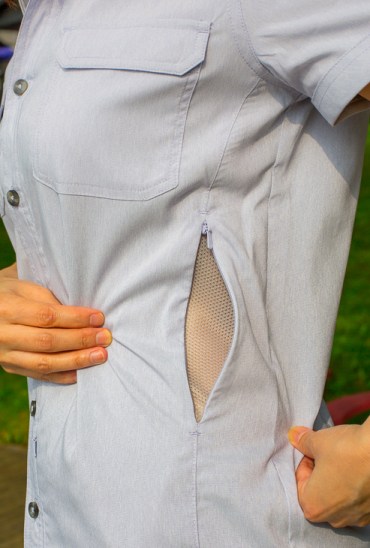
pixel 33 510
pixel 13 198
pixel 33 408
pixel 20 87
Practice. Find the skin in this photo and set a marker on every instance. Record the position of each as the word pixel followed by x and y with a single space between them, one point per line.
pixel 365 92
pixel 333 478
pixel 43 339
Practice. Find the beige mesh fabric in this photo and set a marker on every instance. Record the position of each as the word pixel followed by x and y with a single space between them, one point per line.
pixel 209 327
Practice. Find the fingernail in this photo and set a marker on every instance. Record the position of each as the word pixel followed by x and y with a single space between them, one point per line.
pixel 70 377
pixel 295 433
pixel 97 356
pixel 103 337
pixel 96 320
pixel 292 435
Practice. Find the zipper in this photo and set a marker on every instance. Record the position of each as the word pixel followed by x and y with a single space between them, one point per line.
pixel 207 232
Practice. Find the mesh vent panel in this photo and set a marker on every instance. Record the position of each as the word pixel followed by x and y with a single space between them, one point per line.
pixel 209 327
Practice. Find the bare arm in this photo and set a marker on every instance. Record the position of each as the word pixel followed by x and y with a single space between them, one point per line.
pixel 10 271
pixel 365 92
pixel 333 479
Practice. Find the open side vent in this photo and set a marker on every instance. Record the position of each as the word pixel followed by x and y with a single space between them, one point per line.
pixel 209 327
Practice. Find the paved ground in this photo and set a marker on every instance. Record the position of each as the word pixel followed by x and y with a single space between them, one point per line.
pixel 12 495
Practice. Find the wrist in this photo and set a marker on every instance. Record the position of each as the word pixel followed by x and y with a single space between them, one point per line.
pixel 9 271
pixel 366 428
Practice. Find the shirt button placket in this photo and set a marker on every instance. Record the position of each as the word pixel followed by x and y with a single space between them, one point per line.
pixel 33 510
pixel 33 408
pixel 33 507
pixel 13 198
pixel 20 86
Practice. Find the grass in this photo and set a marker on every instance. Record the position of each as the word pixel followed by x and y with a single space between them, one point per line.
pixel 350 361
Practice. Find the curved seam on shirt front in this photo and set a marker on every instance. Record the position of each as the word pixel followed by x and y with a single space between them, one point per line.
pixel 227 141
pixel 248 40
pixel 277 157
pixel 288 502
pixel 267 75
pixel 272 362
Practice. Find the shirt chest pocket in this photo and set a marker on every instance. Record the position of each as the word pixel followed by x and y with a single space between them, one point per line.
pixel 113 121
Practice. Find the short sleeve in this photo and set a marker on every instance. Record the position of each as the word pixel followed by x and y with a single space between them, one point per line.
pixel 319 48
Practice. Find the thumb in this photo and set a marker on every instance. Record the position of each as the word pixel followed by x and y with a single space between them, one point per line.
pixel 302 438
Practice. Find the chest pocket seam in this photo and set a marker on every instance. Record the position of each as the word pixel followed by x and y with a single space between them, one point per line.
pixel 153 71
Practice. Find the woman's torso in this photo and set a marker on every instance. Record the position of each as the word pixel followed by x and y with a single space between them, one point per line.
pixel 142 122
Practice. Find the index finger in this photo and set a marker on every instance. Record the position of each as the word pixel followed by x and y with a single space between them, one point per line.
pixel 303 474
pixel 22 311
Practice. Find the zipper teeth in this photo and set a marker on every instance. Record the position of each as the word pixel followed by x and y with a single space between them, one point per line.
pixel 206 232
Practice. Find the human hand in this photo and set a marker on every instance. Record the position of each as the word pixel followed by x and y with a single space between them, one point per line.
pixel 43 339
pixel 333 479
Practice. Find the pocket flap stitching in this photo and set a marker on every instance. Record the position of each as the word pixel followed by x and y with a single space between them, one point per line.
pixel 163 46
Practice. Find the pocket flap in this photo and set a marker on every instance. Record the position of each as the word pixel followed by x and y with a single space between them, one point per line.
pixel 165 46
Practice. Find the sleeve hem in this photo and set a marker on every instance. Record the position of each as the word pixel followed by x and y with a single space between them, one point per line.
pixel 335 94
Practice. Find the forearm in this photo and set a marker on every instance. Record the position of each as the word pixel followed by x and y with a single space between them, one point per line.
pixel 365 92
pixel 366 426
pixel 10 271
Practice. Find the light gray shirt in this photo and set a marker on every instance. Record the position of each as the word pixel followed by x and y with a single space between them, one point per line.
pixel 135 122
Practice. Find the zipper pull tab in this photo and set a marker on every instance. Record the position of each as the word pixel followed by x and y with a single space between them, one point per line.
pixel 206 231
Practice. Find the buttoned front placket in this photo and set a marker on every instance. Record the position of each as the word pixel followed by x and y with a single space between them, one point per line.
pixel 130 132
pixel 33 507
pixel 18 85
pixel 18 219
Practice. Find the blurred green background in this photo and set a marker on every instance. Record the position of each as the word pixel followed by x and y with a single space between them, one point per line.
pixel 350 362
